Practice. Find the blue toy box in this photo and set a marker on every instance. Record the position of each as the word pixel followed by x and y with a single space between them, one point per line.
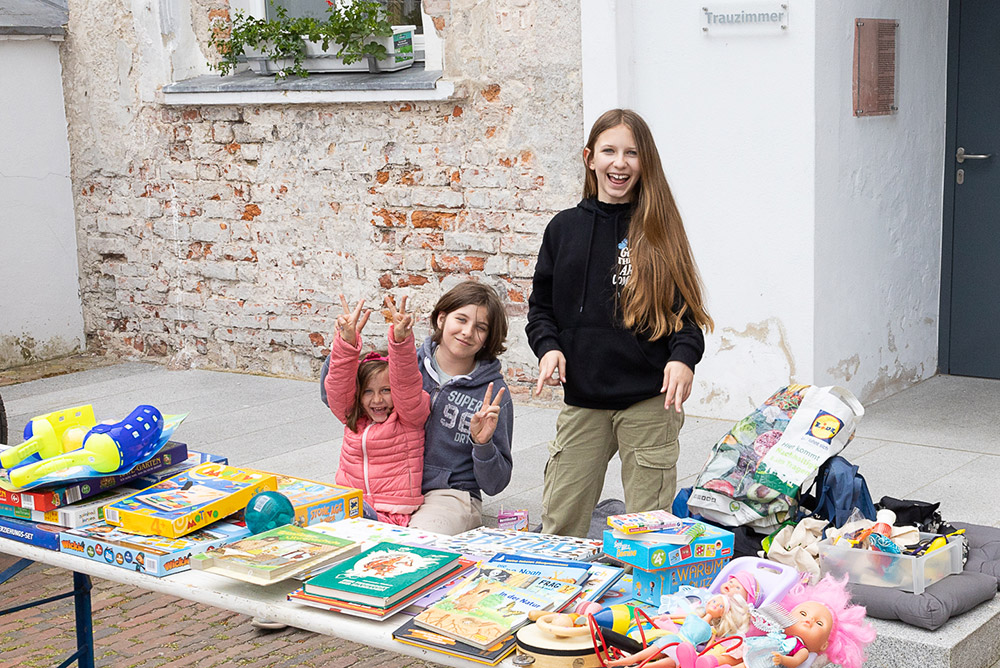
pixel 661 568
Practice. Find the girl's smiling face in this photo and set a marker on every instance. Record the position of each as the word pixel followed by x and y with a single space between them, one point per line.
pixel 615 163
pixel 463 334
pixel 376 398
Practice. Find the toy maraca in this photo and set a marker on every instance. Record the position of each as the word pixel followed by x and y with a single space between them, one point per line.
pixel 45 434
pixel 106 447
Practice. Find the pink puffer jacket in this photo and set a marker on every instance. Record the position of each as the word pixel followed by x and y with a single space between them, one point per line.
pixel 386 459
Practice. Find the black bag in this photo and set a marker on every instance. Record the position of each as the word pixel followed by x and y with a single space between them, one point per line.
pixel 839 490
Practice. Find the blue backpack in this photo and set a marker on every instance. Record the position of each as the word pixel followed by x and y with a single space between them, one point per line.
pixel 839 490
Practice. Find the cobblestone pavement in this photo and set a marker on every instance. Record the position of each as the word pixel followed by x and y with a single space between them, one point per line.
pixel 135 628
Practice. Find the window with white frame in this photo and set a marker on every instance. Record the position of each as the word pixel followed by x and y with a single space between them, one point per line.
pixel 426 45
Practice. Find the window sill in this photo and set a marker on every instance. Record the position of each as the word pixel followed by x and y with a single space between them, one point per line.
pixel 411 84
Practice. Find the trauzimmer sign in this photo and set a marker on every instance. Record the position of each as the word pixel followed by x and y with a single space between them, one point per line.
pixel 753 17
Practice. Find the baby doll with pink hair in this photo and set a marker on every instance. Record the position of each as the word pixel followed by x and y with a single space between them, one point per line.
pixel 823 621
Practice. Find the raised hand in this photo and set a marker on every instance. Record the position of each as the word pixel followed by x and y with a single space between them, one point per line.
pixel 484 421
pixel 402 322
pixel 551 370
pixel 677 381
pixel 350 323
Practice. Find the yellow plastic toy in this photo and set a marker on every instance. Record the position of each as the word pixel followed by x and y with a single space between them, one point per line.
pixel 51 435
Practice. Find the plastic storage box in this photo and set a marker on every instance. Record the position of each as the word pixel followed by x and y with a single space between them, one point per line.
pixel 899 571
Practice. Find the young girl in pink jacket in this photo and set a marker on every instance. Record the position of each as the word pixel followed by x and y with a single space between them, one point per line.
pixel 383 406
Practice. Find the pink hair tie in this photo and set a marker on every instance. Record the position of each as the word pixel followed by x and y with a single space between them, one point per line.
pixel 375 356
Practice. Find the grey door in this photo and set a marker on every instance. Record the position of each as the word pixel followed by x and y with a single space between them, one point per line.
pixel 973 318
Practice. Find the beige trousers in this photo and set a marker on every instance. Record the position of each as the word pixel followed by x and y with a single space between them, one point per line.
pixel 448 511
pixel 645 437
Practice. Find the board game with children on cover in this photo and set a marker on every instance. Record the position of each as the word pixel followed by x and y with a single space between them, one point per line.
pixel 189 501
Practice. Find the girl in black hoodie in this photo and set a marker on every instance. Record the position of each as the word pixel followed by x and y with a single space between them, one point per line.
pixel 616 317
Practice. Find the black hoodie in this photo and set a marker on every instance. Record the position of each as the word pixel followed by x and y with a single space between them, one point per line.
pixel 574 307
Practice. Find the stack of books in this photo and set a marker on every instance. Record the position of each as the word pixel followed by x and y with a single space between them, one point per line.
pixel 656 526
pixel 379 581
pixel 478 618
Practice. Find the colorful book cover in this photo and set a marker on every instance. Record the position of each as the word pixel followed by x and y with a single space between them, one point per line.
pixel 482 612
pixel 193 459
pixel 411 634
pixel 56 496
pixel 273 555
pixel 565 571
pixel 316 502
pixel 32 533
pixel 619 592
pixel 383 574
pixel 73 516
pixel 656 525
pixel 154 555
pixel 560 594
pixel 484 542
pixel 599 576
pixel 371 532
pixel 188 501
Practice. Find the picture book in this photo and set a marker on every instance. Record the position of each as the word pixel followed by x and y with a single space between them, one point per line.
pixel 411 634
pixel 193 459
pixel 154 555
pixel 371 611
pixel 382 574
pixel 559 594
pixel 619 592
pixel 481 612
pixel 565 571
pixel 656 525
pixel 316 502
pixel 434 594
pixel 484 542
pixel 372 532
pixel 32 533
pixel 72 516
pixel 599 576
pixel 273 555
pixel 188 501
pixel 56 496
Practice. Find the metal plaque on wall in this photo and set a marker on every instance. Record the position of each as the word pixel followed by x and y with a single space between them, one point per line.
pixel 875 66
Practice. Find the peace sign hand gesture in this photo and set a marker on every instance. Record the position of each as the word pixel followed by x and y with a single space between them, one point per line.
pixel 484 421
pixel 350 323
pixel 402 322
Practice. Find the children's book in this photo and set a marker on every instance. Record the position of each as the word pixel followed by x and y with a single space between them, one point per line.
pixel 484 542
pixel 376 612
pixel 482 612
pixel 382 574
pixel 316 502
pixel 273 555
pixel 565 571
pixel 193 459
pixel 72 516
pixel 599 576
pixel 51 497
pixel 154 555
pixel 372 532
pixel 560 594
pixel 188 501
pixel 620 592
pixel 411 634
pixel 658 525
pixel 32 533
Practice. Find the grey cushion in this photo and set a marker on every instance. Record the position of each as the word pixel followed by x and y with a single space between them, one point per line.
pixel 984 548
pixel 940 602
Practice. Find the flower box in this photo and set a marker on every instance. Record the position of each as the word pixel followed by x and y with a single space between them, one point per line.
pixel 399 48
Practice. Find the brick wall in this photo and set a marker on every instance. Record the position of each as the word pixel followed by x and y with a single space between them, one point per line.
pixel 221 236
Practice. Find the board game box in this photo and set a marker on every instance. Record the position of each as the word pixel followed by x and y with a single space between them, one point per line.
pixel 316 502
pixel 153 555
pixel 189 501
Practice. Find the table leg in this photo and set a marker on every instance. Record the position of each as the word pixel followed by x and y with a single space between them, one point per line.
pixel 84 620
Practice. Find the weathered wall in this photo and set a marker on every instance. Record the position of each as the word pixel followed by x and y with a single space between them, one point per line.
pixel 879 185
pixel 40 311
pixel 222 235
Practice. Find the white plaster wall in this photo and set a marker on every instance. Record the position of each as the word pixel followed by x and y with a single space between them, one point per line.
pixel 879 187
pixel 40 310
pixel 734 120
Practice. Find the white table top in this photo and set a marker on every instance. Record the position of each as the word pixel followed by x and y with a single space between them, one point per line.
pixel 269 602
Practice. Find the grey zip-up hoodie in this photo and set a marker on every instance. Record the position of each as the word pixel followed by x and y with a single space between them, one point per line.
pixel 451 460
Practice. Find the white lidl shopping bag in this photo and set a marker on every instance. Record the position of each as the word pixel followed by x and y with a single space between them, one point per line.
pixel 756 470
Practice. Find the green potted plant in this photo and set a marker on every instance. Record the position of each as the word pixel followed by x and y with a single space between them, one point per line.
pixel 354 36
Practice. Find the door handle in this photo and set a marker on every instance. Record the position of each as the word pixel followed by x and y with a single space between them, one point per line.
pixel 961 156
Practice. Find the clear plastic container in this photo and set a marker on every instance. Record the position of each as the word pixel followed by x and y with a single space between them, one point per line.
pixel 899 571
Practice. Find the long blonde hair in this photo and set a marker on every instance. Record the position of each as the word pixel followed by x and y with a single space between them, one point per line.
pixel 663 268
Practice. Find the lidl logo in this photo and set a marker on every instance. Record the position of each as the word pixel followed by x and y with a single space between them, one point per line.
pixel 825 426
